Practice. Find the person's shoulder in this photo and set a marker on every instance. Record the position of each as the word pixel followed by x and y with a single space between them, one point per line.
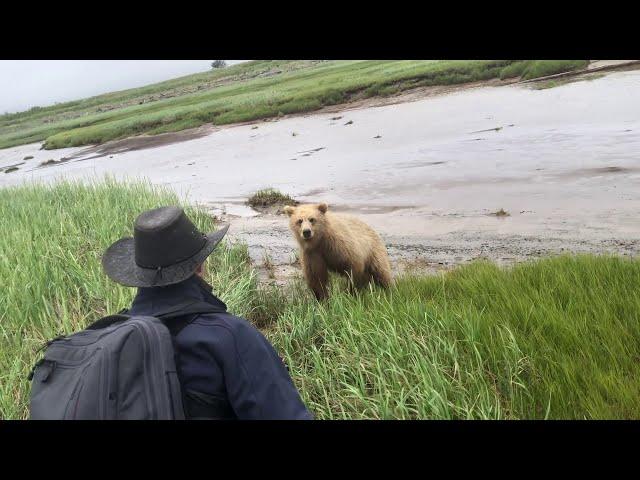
pixel 238 327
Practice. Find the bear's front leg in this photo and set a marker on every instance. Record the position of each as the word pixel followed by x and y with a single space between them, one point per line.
pixel 317 275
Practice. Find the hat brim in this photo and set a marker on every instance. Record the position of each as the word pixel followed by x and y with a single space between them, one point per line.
pixel 119 264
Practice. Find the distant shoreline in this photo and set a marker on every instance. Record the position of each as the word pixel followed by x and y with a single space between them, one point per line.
pixel 254 91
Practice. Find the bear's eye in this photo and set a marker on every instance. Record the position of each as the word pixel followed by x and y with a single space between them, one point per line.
pixel 300 222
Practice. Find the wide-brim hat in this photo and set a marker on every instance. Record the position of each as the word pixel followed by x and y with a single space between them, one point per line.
pixel 166 248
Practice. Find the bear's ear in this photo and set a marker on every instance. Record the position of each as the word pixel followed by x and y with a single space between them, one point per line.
pixel 323 207
pixel 288 210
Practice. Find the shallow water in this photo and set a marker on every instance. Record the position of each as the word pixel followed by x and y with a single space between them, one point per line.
pixel 564 158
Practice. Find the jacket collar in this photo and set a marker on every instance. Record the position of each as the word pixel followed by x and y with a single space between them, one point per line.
pixel 150 301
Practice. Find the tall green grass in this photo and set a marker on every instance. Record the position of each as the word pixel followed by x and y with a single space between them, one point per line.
pixel 50 271
pixel 241 93
pixel 555 338
pixel 530 69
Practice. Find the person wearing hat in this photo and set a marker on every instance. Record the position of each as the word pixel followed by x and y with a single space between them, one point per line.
pixel 227 368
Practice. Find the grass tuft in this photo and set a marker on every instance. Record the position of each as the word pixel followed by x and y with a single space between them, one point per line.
pixel 501 213
pixel 269 197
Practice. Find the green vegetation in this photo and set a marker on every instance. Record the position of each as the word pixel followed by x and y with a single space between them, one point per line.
pixel 529 69
pixel 243 92
pixel 269 197
pixel 547 84
pixel 565 80
pixel 51 275
pixel 542 68
pixel 501 213
pixel 556 338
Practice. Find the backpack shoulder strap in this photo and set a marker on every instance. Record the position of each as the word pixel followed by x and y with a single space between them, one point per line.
pixel 182 314
pixel 175 318
pixel 104 322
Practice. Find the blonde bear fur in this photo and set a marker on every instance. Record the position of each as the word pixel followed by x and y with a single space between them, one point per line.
pixel 338 243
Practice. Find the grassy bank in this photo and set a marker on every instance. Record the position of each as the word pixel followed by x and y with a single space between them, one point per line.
pixel 557 338
pixel 50 271
pixel 553 339
pixel 244 92
pixel 530 69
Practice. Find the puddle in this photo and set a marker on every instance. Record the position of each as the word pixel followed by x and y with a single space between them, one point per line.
pixel 496 129
pixel 371 209
pixel 53 162
pixel 313 150
pixel 141 142
pixel 604 170
pixel 230 209
pixel 598 171
pixel 313 192
pixel 419 164
pixel 11 168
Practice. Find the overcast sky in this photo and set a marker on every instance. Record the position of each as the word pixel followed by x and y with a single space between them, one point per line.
pixel 29 83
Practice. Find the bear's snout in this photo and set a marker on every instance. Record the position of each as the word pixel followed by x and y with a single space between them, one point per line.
pixel 306 233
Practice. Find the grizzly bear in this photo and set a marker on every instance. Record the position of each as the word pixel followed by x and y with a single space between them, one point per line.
pixel 338 243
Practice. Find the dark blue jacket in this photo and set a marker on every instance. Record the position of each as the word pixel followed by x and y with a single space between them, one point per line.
pixel 225 356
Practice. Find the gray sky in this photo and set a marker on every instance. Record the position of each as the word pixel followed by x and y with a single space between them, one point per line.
pixel 29 83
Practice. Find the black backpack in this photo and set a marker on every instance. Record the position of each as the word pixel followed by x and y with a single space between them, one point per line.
pixel 120 368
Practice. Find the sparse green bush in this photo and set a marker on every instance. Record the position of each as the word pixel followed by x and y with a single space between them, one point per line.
pixel 268 197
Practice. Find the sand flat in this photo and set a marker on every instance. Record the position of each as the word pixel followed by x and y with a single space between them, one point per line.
pixel 428 174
